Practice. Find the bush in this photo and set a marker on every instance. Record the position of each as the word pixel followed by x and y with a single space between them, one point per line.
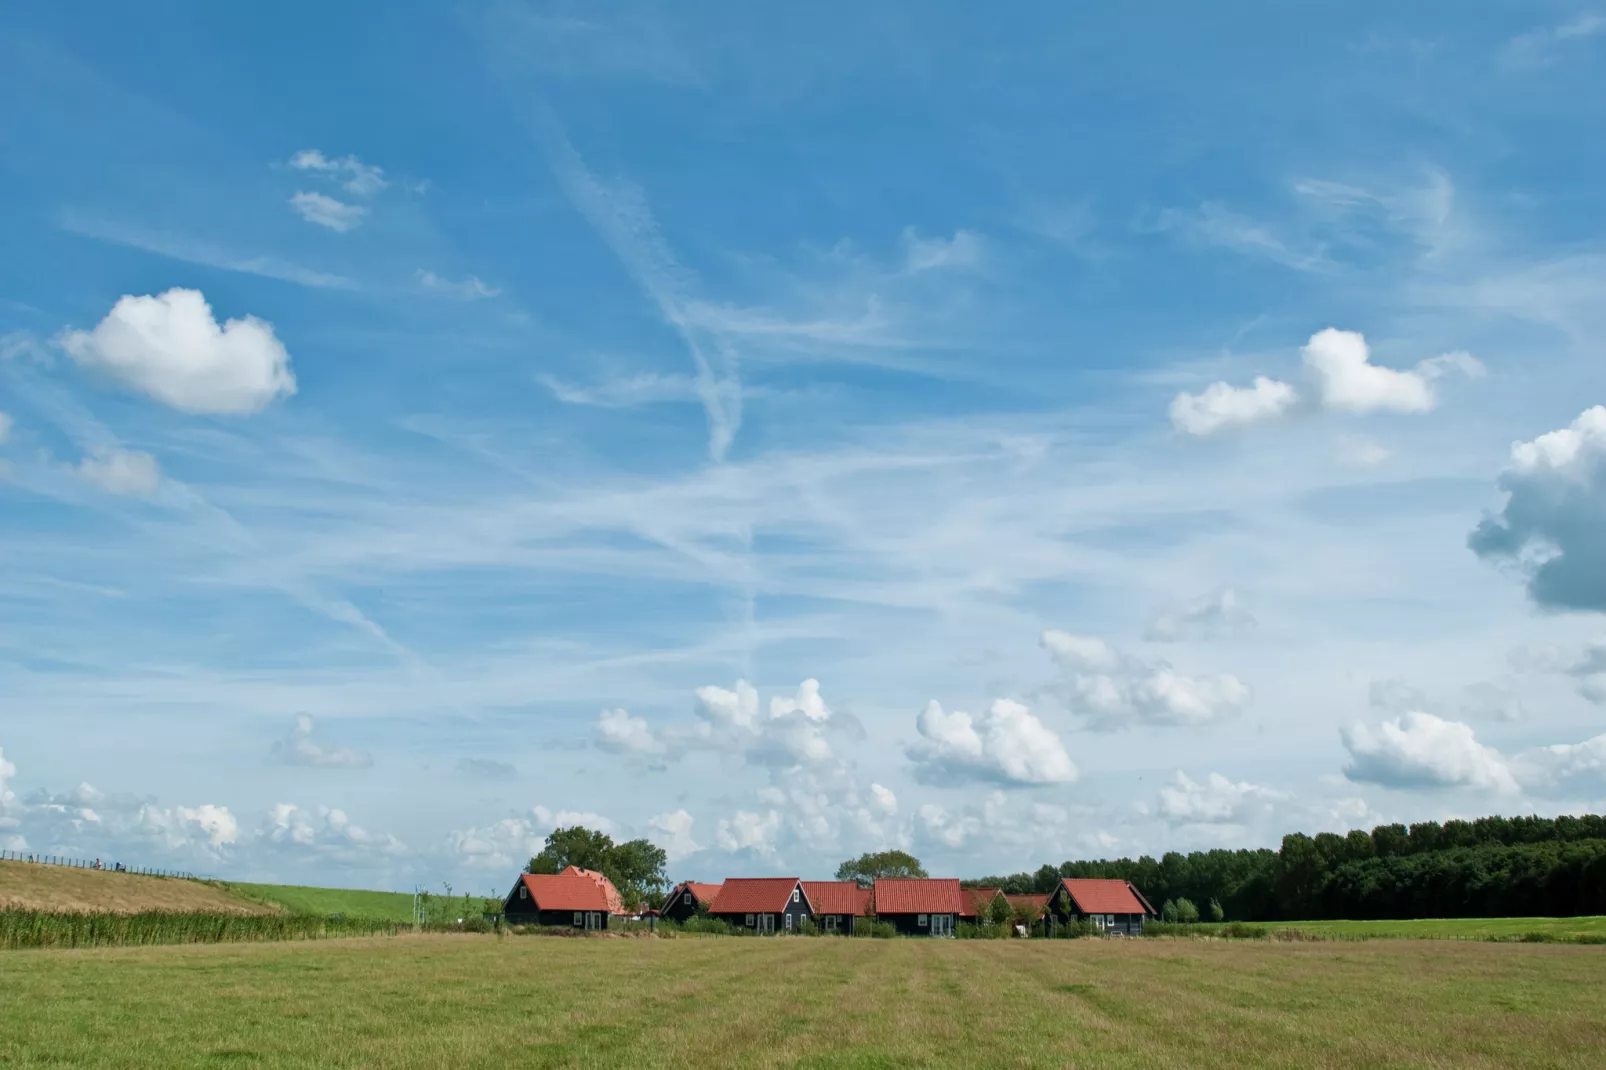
pixel 1216 913
pixel 1237 930
pixel 1168 912
pixel 1187 913
pixel 869 928
pixel 711 926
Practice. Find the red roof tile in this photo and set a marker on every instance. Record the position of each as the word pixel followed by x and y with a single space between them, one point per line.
pixel 837 897
pixel 753 895
pixel 908 896
pixel 616 903
pixel 561 891
pixel 1034 905
pixel 1103 896
pixel 705 893
pixel 978 901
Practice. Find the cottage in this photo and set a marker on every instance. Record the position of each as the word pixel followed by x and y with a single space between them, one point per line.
pixel 920 907
pixel 686 898
pixel 979 904
pixel 837 903
pixel 1113 906
pixel 557 899
pixel 767 905
pixel 1030 907
pixel 616 903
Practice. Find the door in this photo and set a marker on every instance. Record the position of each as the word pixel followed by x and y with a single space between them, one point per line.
pixel 942 925
pixel 766 925
pixel 593 920
pixel 830 923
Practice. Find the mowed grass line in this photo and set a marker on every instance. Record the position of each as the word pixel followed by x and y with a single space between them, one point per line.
pixel 352 903
pixel 1443 928
pixel 429 1001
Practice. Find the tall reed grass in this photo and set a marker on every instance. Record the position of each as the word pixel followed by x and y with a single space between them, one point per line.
pixel 38 928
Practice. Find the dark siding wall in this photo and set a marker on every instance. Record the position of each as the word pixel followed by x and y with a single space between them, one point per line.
pixel 680 910
pixel 797 911
pixel 909 924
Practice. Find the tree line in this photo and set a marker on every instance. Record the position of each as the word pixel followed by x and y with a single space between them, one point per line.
pixel 1491 867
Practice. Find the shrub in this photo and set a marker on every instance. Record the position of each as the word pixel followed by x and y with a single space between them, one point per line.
pixel 1187 913
pixel 872 929
pixel 1237 930
pixel 1168 911
pixel 1216 913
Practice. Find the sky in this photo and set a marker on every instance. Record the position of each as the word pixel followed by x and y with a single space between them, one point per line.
pixel 1008 434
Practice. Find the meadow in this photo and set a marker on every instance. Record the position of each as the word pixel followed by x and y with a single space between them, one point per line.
pixel 347 902
pixel 1560 930
pixel 460 1000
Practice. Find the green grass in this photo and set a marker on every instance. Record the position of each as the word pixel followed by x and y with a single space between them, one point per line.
pixel 38 928
pixel 1559 929
pixel 431 1001
pixel 382 906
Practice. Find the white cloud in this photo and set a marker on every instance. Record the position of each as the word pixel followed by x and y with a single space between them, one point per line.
pixel 1554 511
pixel 469 289
pixel 726 710
pixel 623 392
pixel 621 733
pixel 1361 451
pixel 675 837
pixel 964 250
pixel 6 424
pixel 885 801
pixel 1564 767
pixel 171 348
pixel 1541 47
pixel 89 823
pixel 358 178
pixel 1343 379
pixel 938 826
pixel 1208 616
pixel 1419 750
pixel 1218 801
pixel 299 749
pixel 1007 744
pixel 324 834
pixel 1222 406
pixel 126 472
pixel 748 831
pixel 1214 224
pixel 325 211
pixel 513 841
pixel 1112 690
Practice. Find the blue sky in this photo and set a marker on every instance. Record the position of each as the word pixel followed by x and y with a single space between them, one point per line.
pixel 1012 435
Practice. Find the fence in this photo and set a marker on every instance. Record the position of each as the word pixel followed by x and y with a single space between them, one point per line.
pixel 93 863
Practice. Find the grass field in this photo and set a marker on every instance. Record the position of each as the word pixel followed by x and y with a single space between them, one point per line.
pixel 431 1001
pixel 30 886
pixel 1447 928
pixel 387 906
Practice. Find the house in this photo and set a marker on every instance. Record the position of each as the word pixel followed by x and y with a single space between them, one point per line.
pixel 1032 907
pixel 766 905
pixel 616 902
pixel 837 903
pixel 920 907
pixel 1113 906
pixel 685 899
pixel 557 899
pixel 979 904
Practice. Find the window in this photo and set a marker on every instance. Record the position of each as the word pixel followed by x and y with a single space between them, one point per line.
pixel 1109 919
pixel 686 899
pixel 579 917
pixel 524 892
pixel 795 894
pixel 788 923
pixel 749 921
pixel 921 921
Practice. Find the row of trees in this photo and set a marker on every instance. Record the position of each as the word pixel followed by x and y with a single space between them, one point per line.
pixel 1493 866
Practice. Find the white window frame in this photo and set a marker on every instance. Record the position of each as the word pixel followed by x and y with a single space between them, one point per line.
pixel 922 920
pixel 797 894
pixel 579 917
pixel 749 921
pixel 788 925
pixel 830 923
pixel 686 898
pixel 524 891
pixel 1109 921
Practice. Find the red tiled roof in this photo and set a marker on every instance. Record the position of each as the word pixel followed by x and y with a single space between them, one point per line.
pixel 837 897
pixel 1034 904
pixel 616 903
pixel 753 895
pixel 705 893
pixel 908 896
pixel 564 891
pixel 1103 896
pixel 978 901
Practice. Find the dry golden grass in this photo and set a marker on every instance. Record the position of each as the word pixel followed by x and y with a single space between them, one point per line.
pixel 30 886
pixel 543 1002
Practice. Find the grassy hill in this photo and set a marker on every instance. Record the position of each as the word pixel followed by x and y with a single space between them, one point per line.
pixel 386 906
pixel 31 886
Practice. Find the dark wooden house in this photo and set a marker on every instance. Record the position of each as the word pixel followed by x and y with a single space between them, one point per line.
pixel 766 905
pixel 920 907
pixel 837 904
pixel 557 899
pixel 685 899
pixel 1112 906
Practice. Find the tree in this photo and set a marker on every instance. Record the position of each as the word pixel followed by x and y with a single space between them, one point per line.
pixel 1168 911
pixel 1187 913
pixel 635 867
pixel 868 867
pixel 999 912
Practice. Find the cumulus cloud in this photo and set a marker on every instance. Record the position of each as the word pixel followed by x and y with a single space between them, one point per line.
pixel 298 748
pixel 170 347
pixel 1221 406
pixel 1338 365
pixel 621 733
pixel 749 831
pixel 936 825
pixel 325 834
pixel 1419 750
pixel 469 289
pixel 885 801
pixel 674 834
pixel 356 177
pixel 729 720
pixel 514 840
pixel 86 822
pixel 1112 690
pixel 1206 617
pixel 126 472
pixel 1554 512
pixel 1007 744
pixel 1564 768
pixel 325 211
pixel 1218 801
